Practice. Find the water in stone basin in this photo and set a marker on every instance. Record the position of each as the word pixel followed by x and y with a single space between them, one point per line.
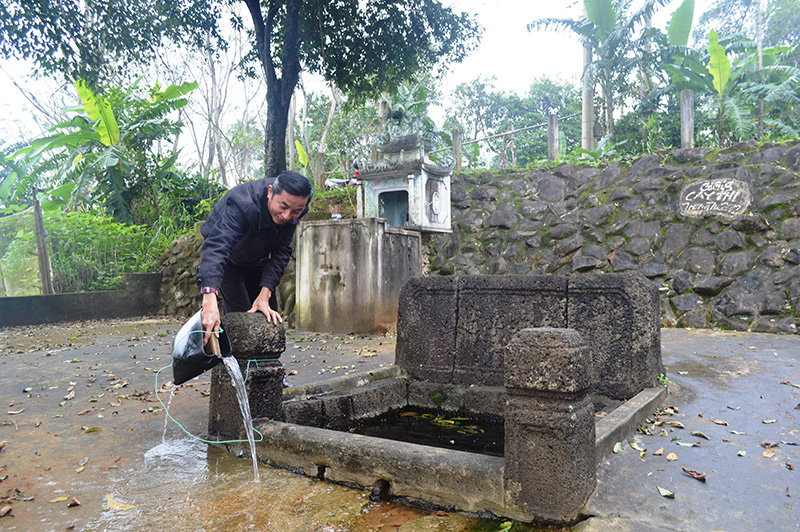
pixel 237 380
pixel 464 432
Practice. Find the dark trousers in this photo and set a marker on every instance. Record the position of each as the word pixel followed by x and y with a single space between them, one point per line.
pixel 240 287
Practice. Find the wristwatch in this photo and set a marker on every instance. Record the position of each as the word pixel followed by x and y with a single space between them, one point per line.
pixel 208 290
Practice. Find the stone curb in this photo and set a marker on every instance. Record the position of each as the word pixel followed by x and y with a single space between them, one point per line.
pixel 624 420
pixel 343 383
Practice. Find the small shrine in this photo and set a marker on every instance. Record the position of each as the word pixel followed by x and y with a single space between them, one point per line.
pixel 405 187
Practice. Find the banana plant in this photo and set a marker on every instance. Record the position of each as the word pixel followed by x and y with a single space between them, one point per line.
pixel 99 154
pixel 613 31
pixel 739 84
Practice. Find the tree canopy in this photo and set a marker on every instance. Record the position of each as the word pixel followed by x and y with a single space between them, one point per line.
pixel 93 40
pixel 361 47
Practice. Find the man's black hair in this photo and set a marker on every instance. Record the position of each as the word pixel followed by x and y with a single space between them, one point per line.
pixel 294 183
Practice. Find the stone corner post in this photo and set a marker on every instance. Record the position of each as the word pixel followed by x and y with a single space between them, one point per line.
pixel 549 425
pixel 257 346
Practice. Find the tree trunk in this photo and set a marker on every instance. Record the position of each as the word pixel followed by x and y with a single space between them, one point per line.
pixel 290 131
pixel 275 141
pixel 319 161
pixel 760 52
pixel 383 120
pixel 279 89
pixel 42 255
pixel 608 95
pixel 587 106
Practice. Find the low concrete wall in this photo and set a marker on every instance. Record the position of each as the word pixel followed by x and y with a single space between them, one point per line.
pixel 139 296
pixel 350 273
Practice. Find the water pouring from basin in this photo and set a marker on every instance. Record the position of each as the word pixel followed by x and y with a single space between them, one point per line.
pixel 190 359
pixel 232 365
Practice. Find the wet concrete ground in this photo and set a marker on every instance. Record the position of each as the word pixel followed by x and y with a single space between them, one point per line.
pixel 737 409
pixel 81 432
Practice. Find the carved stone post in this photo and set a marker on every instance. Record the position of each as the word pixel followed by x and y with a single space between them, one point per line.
pixel 549 424
pixel 257 346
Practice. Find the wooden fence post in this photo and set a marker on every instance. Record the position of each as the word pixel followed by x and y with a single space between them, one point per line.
pixel 687 119
pixel 552 137
pixel 457 148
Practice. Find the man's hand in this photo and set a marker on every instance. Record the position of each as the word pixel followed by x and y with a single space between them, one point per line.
pixel 210 316
pixel 261 304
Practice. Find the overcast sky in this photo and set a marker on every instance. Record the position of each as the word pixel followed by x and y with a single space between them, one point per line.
pixel 508 52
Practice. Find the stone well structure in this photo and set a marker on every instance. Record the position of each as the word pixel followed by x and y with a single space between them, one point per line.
pixel 537 351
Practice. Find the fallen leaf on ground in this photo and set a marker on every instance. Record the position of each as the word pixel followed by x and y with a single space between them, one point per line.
pixel 672 457
pixel 769 421
pixel 82 412
pixel 188 499
pixel 768 453
pixel 15 412
pixel 3 444
pixel 790 384
pixel 720 422
pixel 789 442
pixel 677 424
pixel 59 499
pixel 18 495
pixel 636 447
pixel 700 435
pixel 90 429
pixel 694 444
pixel 741 453
pixel 617 447
pixel 73 502
pixel 116 505
pixel 789 465
pixel 666 493
pixel 767 444
pixel 5 510
pixel 659 452
pixel 695 474
pixel 738 433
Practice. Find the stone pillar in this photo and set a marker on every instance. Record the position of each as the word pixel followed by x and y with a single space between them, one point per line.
pixel 257 346
pixel 549 425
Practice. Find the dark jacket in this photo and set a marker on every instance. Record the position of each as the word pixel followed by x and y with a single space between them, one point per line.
pixel 240 230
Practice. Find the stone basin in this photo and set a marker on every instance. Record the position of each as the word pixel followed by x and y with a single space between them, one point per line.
pixel 536 344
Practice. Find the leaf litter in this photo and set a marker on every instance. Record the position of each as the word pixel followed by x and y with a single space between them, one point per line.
pixel 118 506
pixel 695 474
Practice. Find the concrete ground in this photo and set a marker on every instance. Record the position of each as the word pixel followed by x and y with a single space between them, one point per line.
pixel 78 408
pixel 736 421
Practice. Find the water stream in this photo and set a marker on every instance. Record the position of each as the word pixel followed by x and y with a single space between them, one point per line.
pixel 166 413
pixel 232 365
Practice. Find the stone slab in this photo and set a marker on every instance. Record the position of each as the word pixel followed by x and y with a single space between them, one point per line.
pixel 426 328
pixel 619 316
pixel 491 309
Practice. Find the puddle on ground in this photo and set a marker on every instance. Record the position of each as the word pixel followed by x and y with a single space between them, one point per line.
pixel 184 485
